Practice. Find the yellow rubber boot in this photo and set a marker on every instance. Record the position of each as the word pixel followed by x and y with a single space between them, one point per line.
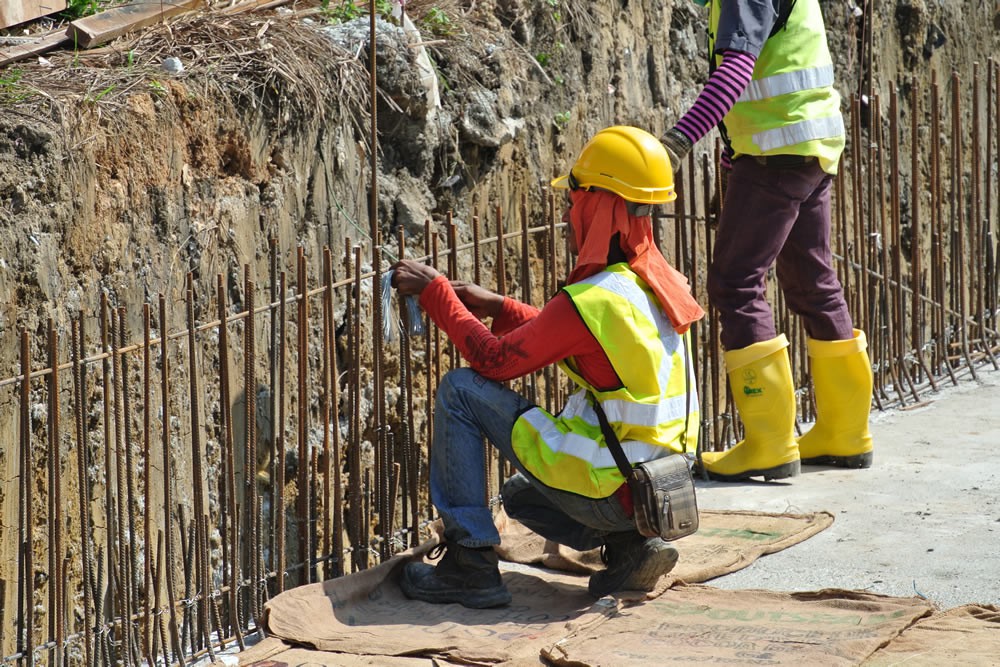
pixel 842 377
pixel 761 379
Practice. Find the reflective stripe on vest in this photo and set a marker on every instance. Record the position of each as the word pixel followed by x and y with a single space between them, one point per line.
pixel 628 412
pixel 649 412
pixel 788 82
pixel 579 446
pixel 798 133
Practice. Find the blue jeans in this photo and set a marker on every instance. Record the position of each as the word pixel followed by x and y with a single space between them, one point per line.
pixel 468 408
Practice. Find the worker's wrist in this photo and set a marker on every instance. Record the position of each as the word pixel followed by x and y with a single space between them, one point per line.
pixel 678 146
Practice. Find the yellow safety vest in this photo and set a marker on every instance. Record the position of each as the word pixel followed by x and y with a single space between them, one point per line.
pixel 790 106
pixel 654 412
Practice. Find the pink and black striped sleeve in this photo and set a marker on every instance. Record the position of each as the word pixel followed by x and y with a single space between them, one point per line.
pixel 723 88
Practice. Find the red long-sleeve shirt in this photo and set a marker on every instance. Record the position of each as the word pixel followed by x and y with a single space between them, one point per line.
pixel 522 340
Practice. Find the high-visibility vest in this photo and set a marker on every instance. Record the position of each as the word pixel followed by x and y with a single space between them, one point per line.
pixel 790 106
pixel 654 412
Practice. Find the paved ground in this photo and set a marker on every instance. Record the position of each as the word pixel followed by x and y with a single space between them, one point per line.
pixel 924 520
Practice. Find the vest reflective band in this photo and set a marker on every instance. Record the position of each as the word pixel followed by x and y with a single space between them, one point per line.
pixel 789 82
pixel 652 412
pixel 790 106
pixel 799 133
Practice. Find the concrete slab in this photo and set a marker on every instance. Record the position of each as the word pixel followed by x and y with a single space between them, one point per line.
pixel 924 520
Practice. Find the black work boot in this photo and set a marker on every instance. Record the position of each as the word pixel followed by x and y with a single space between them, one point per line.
pixel 634 563
pixel 470 577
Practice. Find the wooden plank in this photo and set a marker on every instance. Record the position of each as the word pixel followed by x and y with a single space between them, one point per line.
pixel 46 43
pixel 106 26
pixel 254 5
pixel 13 12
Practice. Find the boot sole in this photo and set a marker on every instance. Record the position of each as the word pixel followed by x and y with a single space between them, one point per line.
pixel 777 472
pixel 856 461
pixel 484 598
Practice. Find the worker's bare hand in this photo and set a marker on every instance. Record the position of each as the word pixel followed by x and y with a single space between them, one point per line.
pixel 480 301
pixel 410 277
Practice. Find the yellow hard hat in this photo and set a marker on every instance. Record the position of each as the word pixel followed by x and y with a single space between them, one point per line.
pixel 625 160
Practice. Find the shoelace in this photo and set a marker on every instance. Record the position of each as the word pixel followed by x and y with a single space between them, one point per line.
pixel 437 551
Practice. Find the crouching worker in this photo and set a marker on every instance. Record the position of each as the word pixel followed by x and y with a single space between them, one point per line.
pixel 617 329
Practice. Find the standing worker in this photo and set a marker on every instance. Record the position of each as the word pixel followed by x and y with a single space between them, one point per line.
pixel 617 329
pixel 770 91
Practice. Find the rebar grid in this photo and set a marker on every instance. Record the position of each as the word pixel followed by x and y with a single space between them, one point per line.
pixel 330 471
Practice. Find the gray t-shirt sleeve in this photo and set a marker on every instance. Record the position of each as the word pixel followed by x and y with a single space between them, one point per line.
pixel 745 24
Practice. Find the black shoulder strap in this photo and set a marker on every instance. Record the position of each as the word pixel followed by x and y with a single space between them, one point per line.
pixel 611 440
pixel 786 11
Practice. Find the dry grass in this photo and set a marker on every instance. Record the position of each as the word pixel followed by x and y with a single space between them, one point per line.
pixel 254 61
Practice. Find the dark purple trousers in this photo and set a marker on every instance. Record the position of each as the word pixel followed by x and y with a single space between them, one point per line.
pixel 776 216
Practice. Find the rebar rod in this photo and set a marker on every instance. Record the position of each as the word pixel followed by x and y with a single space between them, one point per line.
pixel 202 576
pixel 279 442
pixel 435 262
pixel 230 515
pixel 880 250
pixel 189 634
pixel 250 501
pixel 875 240
pixel 411 453
pixel 327 387
pixel 277 394
pixel 168 478
pixel 452 273
pixel 129 445
pixel 988 143
pixel 680 205
pixel 303 487
pixel 916 236
pixel 56 582
pixel 162 629
pixel 501 260
pixel 373 130
pixel 124 537
pixel 896 283
pixel 938 264
pixel 853 240
pixel 383 450
pixel 960 218
pixel 103 634
pixel 226 492
pixel 83 489
pixel 975 184
pixel 995 157
pixel 529 383
pixel 689 224
pixel 110 509
pixel 147 488
pixel 360 540
pixel 714 361
pixel 336 452
pixel 26 519
pixel 977 229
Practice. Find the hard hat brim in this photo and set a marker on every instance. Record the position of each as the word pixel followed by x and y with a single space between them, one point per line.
pixel 560 183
